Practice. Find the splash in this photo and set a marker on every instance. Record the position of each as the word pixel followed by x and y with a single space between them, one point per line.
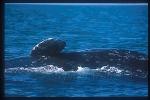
pixel 56 69
pixel 42 69
pixel 49 69
pixel 110 69
pixel 83 69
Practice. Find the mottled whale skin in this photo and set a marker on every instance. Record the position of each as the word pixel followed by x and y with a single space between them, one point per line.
pixel 123 59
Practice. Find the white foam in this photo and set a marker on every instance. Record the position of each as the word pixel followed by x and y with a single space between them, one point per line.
pixel 47 69
pixel 106 69
pixel 82 69
pixel 110 69
pixel 42 69
pixel 52 68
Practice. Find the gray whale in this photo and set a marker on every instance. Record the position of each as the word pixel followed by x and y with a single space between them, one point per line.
pixel 49 52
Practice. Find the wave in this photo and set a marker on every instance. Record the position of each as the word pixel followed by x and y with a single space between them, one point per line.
pixel 42 69
pixel 50 69
pixel 55 69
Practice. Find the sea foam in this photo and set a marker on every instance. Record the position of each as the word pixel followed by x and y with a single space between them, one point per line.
pixel 56 69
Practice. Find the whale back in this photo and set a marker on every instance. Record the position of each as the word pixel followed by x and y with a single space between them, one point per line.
pixel 48 47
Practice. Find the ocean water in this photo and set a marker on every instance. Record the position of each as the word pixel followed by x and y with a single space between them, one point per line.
pixel 81 27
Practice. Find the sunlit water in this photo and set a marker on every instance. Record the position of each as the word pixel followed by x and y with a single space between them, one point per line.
pixel 82 27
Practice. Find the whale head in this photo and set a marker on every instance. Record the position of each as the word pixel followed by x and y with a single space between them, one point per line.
pixel 48 47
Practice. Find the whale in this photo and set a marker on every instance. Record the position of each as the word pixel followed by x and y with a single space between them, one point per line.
pixel 50 52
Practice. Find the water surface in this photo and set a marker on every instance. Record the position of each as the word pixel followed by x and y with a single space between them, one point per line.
pixel 82 27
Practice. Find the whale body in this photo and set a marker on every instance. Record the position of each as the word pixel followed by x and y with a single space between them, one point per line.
pixel 49 52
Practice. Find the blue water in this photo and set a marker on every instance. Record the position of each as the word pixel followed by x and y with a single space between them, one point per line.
pixel 82 27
